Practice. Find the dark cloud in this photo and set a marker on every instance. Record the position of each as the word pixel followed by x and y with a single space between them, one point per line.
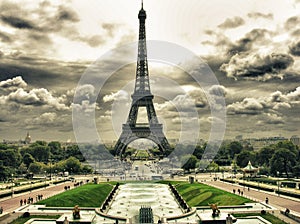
pixel 39 72
pixel 232 23
pixel 257 15
pixel 253 39
pixel 255 66
pixel 295 49
pixel 65 14
pixel 246 43
pixel 17 22
pixel 292 22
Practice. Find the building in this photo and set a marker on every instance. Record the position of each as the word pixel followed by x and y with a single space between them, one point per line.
pixel 295 140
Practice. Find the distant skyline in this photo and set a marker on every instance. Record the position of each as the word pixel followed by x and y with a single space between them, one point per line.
pixel 253 47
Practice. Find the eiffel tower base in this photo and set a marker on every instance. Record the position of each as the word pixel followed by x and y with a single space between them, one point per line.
pixel 153 133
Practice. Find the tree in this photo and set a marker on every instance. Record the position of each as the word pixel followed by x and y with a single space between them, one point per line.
pixel 40 153
pixel 28 159
pixel 198 152
pixel 244 157
pixel 73 151
pixel 10 157
pixel 213 167
pixel 265 154
pixel 86 169
pixel 5 172
pixel 296 170
pixel 72 164
pixel 190 162
pixel 282 161
pixel 234 148
pixel 56 151
pixel 35 167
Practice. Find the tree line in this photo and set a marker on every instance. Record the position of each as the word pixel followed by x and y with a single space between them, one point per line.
pixel 40 157
pixel 280 159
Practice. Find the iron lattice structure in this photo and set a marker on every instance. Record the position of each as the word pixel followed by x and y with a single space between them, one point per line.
pixel 142 97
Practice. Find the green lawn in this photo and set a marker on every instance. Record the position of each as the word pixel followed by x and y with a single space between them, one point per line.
pixel 198 194
pixel 269 217
pixel 22 220
pixel 89 195
pixel 142 154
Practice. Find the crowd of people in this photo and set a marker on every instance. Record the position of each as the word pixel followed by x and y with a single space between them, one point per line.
pixel 30 200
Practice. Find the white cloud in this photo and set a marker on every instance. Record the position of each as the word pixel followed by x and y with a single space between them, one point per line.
pixel 13 84
pixel 276 101
pixel 34 97
pixel 48 118
pixel 121 95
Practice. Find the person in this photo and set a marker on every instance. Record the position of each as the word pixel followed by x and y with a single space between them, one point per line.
pixel 1 210
pixel 267 200
pixel 229 219
pixel 66 221
pixel 21 202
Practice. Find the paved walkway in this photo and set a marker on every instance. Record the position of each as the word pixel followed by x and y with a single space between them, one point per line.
pixel 279 202
pixel 11 204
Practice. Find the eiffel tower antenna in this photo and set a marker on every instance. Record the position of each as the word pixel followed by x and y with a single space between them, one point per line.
pixel 142 98
pixel 142 4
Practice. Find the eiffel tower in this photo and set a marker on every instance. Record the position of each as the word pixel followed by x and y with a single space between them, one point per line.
pixel 142 97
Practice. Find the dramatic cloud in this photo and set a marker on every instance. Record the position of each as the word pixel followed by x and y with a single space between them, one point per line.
pixel 256 66
pixel 13 84
pixel 257 15
pixel 118 96
pixel 34 97
pixel 276 101
pixel 295 49
pixel 252 38
pixel 232 23
pixel 17 22
pixel 247 106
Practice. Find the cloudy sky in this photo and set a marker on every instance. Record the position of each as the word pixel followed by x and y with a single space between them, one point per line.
pixel 252 47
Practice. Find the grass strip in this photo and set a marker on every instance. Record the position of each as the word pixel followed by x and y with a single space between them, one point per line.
pixel 88 195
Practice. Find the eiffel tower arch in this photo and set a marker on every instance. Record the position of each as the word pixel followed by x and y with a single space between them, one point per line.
pixel 141 97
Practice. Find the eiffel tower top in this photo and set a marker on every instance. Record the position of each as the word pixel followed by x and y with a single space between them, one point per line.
pixel 142 85
pixel 142 12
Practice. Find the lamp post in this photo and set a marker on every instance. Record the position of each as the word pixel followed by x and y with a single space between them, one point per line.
pixel 45 178
pixel 12 185
pixel 50 160
pixel 278 183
